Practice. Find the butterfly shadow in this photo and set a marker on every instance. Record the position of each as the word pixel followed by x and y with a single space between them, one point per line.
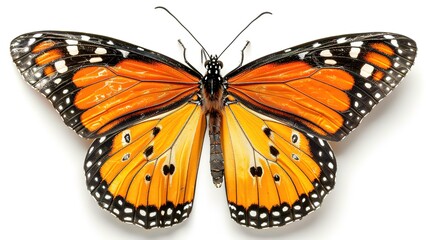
pixel 106 220
pixel 314 221
pixel 384 117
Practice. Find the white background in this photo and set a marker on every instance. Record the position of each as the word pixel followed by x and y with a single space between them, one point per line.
pixel 382 181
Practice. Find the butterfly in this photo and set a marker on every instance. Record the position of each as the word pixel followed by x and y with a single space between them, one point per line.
pixel 269 121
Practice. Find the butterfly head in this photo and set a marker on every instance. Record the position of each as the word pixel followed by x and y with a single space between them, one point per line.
pixel 213 64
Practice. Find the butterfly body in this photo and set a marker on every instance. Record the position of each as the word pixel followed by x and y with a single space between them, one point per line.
pixel 212 93
pixel 269 121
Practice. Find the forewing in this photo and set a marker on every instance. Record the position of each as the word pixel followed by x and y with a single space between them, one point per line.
pixel 273 174
pixel 98 84
pixel 146 174
pixel 325 87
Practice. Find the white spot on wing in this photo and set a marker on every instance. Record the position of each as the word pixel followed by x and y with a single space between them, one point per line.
pixel 124 53
pixel 38 75
pixel 330 62
pixel 341 40
pixel 252 213
pixel 368 85
pixel 142 212
pixel 88 164
pixel 302 55
pixel 326 53
pixel 354 52
pixel 85 38
pixel 31 41
pixel 100 51
pixel 356 44
pixel 95 59
pixel 60 66
pixel 366 70
pixel 73 50
pixel 71 42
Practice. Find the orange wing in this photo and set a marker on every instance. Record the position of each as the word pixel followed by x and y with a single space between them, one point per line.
pixel 100 85
pixel 273 174
pixel 146 174
pixel 327 86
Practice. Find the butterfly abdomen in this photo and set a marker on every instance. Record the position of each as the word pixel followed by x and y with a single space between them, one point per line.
pixel 216 158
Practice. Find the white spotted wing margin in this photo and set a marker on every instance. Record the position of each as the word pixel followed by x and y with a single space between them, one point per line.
pixel 50 62
pixel 274 174
pixel 377 61
pixel 52 75
pixel 146 174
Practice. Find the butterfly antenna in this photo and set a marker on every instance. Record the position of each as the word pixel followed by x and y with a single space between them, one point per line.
pixel 260 15
pixel 165 9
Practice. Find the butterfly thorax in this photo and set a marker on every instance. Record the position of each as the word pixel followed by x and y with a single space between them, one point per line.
pixel 212 89
pixel 212 93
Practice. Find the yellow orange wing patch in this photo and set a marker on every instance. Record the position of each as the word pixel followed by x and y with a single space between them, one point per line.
pixel 273 173
pixel 310 96
pixel 325 87
pixel 101 85
pixel 146 174
pixel 110 95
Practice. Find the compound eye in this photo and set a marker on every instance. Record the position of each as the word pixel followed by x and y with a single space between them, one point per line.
pixel 206 64
pixel 220 64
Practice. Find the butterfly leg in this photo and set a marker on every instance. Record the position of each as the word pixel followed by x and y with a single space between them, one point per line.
pixel 184 56
pixel 216 158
